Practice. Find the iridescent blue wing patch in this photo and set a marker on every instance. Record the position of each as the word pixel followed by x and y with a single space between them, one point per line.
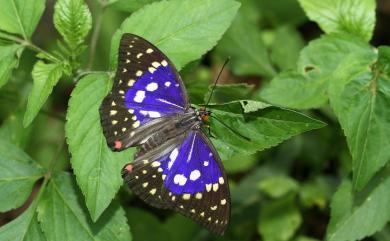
pixel 186 175
pixel 146 87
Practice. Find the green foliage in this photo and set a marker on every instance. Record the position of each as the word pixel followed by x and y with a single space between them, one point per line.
pixel 334 16
pixel 60 181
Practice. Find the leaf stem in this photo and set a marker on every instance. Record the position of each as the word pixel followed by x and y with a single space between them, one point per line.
pixel 95 34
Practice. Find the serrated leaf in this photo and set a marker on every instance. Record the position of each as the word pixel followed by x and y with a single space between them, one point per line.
pixel 23 228
pixel 360 96
pixel 20 16
pixel 8 61
pixel 63 215
pixel 18 173
pixel 73 20
pixel 308 87
pixel 279 220
pixel 263 124
pixel 349 16
pixel 97 168
pixel 183 30
pixel 244 44
pixel 356 217
pixel 45 77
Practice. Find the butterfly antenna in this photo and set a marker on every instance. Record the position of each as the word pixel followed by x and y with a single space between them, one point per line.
pixel 216 81
pixel 231 129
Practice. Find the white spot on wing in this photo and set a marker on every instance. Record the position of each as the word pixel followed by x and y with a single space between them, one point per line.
pixel 139 96
pixel 180 179
pixel 195 174
pixel 154 114
pixel 167 84
pixel 152 86
pixel 205 163
pixel 172 157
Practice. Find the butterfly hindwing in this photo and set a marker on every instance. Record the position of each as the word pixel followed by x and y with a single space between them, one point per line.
pixel 146 87
pixel 187 176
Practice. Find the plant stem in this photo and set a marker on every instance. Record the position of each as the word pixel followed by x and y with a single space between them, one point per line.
pixel 95 34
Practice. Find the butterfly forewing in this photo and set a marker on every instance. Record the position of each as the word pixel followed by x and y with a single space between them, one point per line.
pixel 146 87
pixel 189 178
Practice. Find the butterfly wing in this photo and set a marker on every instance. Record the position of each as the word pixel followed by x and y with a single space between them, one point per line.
pixel 146 87
pixel 185 175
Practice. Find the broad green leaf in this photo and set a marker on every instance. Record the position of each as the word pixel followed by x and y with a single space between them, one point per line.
pixel 243 43
pixel 63 215
pixel 278 186
pixel 286 47
pixel 45 77
pixel 18 173
pixel 97 168
pixel 308 87
pixel 9 60
pixel 186 231
pixel 142 222
pixel 21 16
pixel 183 30
pixel 129 6
pixel 384 59
pixel 279 220
pixel 229 92
pixel 263 124
pixel 24 228
pixel 279 12
pixel 12 130
pixel 73 20
pixel 350 16
pixel 360 96
pixel 353 218
pixel 239 163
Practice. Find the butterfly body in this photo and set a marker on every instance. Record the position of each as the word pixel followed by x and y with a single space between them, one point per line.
pixel 176 166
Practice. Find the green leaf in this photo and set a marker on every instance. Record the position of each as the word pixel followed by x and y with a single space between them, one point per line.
pixel 21 16
pixel 73 20
pixel 286 47
pixel 308 87
pixel 138 218
pixel 317 192
pixel 384 59
pixel 229 92
pixel 9 60
pixel 63 216
pixel 23 228
pixel 12 130
pixel 279 220
pixel 279 12
pixel 18 173
pixel 183 30
pixel 243 43
pixel 130 6
pixel 278 186
pixel 97 168
pixel 356 217
pixel 45 77
pixel 349 16
pixel 265 125
pixel 360 96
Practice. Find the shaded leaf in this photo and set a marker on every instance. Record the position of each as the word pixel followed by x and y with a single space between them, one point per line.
pixel 21 16
pixel 278 186
pixel 45 77
pixel 8 61
pixel 63 216
pixel 142 222
pixel 229 92
pixel 350 16
pixel 183 30
pixel 130 6
pixel 97 168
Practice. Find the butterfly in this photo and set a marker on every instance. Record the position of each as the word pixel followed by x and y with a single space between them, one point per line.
pixel 176 166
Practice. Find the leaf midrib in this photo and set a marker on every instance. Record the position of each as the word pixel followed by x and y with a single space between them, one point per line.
pixel 19 20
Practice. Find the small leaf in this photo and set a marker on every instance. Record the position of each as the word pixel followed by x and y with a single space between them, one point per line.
pixel 243 43
pixel 23 228
pixel 18 173
pixel 264 125
pixel 360 96
pixel 279 220
pixel 183 30
pixel 45 77
pixel 356 217
pixel 64 217
pixel 348 16
pixel 278 186
pixel 21 16
pixel 8 61
pixel 73 20
pixel 97 168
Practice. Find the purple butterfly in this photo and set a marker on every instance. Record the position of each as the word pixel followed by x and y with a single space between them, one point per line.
pixel 176 166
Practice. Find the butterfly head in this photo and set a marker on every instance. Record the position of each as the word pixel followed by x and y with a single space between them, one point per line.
pixel 204 115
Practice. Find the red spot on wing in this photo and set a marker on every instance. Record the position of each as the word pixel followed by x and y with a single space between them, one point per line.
pixel 129 168
pixel 118 144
